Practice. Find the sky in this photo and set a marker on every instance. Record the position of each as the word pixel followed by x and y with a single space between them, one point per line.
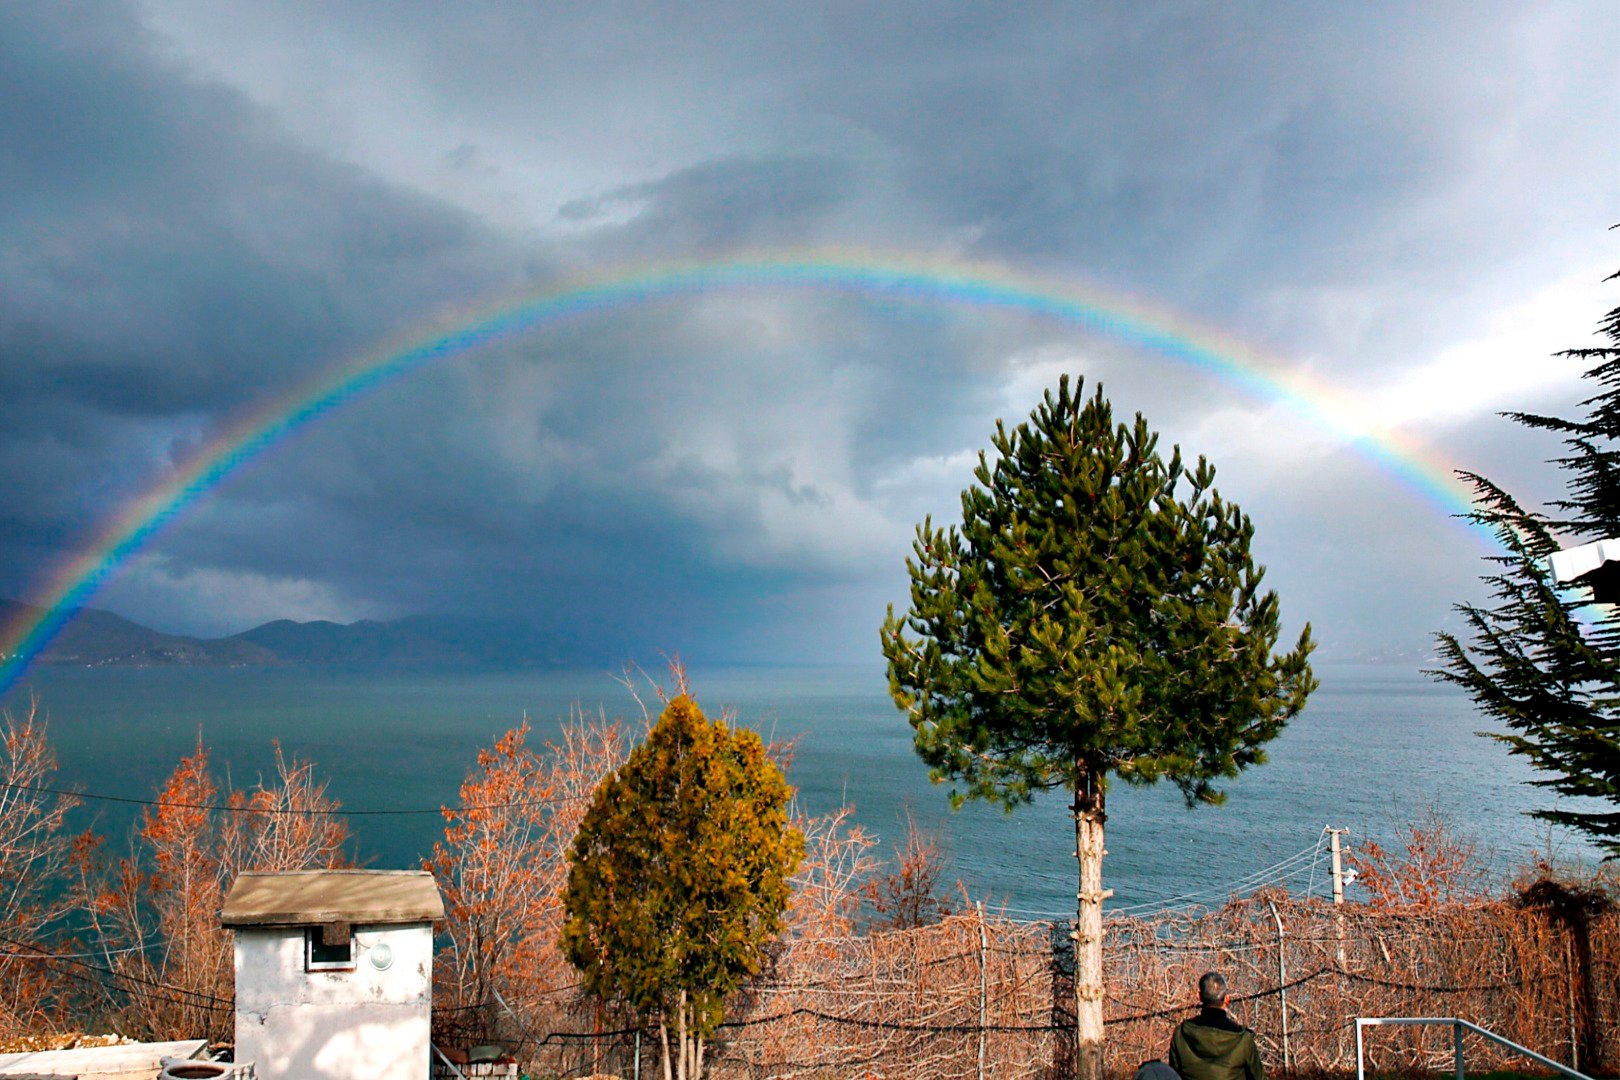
pixel 208 203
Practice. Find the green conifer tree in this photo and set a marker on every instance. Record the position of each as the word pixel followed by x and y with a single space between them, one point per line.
pixel 678 877
pixel 1096 614
pixel 1551 677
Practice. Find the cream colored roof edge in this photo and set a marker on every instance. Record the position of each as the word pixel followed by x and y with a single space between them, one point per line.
pixel 122 1059
pixel 312 897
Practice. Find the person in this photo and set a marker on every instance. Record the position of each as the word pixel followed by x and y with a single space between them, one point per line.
pixel 1211 1045
pixel 1156 1070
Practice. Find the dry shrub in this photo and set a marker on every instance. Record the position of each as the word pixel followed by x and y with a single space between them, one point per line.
pixel 1574 907
pixel 165 968
pixel 501 868
pixel 1434 865
pixel 911 891
pixel 34 857
pixel 827 887
pixel 909 1003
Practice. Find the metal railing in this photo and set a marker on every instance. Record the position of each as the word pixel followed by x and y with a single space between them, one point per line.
pixel 463 1076
pixel 1457 1028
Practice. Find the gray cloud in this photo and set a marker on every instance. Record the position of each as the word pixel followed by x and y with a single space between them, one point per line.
pixel 210 203
pixel 716 206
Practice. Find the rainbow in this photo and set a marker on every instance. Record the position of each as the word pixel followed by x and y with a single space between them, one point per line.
pixel 872 276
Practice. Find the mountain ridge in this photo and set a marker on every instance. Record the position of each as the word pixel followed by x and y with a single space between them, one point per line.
pixel 97 638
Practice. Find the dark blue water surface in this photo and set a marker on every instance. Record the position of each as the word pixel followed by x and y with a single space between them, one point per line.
pixel 1376 748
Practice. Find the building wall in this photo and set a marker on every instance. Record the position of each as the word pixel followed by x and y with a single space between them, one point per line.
pixel 363 1024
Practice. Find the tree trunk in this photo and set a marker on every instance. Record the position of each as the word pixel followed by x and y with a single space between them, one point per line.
pixel 663 1038
pixel 1088 937
pixel 680 1032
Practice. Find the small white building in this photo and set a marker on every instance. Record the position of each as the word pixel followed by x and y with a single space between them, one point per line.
pixel 334 972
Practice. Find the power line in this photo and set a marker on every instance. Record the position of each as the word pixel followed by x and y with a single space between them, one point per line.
pixel 212 999
pixel 291 811
pixel 1288 869
pixel 1248 881
pixel 73 956
pixel 1295 864
pixel 1312 884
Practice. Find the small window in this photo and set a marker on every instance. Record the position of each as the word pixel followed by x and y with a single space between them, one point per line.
pixel 319 956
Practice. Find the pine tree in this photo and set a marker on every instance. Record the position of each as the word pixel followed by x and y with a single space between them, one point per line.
pixel 1550 675
pixel 678 877
pixel 1096 614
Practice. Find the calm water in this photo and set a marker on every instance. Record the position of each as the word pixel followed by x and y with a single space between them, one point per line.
pixel 1375 747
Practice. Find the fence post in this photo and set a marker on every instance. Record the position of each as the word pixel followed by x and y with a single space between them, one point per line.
pixel 1062 946
pixel 1574 1028
pixel 984 984
pixel 1457 1048
pixel 1282 982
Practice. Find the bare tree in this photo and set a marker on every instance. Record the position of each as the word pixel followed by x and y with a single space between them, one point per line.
pixel 34 853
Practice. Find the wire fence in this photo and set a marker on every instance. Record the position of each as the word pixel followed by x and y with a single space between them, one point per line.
pixel 974 998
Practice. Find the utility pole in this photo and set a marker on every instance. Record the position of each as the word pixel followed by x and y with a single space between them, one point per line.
pixel 1338 891
pixel 1338 866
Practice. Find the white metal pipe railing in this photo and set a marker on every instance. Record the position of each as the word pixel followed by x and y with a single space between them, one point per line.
pixel 1457 1028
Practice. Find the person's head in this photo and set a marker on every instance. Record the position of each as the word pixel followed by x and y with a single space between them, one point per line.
pixel 1212 990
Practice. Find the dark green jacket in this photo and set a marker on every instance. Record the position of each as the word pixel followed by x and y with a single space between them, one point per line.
pixel 1213 1046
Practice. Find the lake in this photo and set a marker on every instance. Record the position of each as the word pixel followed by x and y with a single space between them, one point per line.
pixel 1375 748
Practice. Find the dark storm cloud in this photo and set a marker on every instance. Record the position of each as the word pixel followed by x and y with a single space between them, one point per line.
pixel 181 240
pixel 1206 151
pixel 204 263
pixel 167 260
pixel 1251 162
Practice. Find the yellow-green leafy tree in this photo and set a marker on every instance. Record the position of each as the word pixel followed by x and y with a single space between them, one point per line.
pixel 678 878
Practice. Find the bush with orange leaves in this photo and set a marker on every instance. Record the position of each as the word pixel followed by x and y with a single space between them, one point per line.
pixel 501 870
pixel 1435 865
pixel 34 853
pixel 154 913
pixel 909 893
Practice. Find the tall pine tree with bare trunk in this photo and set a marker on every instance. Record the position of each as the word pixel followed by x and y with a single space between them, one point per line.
pixel 1097 614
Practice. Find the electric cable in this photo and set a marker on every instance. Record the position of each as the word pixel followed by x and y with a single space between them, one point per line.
pixel 292 811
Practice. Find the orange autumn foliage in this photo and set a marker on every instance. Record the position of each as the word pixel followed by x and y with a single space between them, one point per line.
pixel 1434 866
pixel 827 885
pixel 155 912
pixel 910 893
pixel 501 866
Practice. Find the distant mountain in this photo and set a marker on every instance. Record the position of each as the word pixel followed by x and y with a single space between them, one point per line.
pixel 94 638
pixel 364 642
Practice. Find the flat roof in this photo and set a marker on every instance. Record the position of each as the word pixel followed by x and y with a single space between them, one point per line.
pixel 313 897
pixel 132 1060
